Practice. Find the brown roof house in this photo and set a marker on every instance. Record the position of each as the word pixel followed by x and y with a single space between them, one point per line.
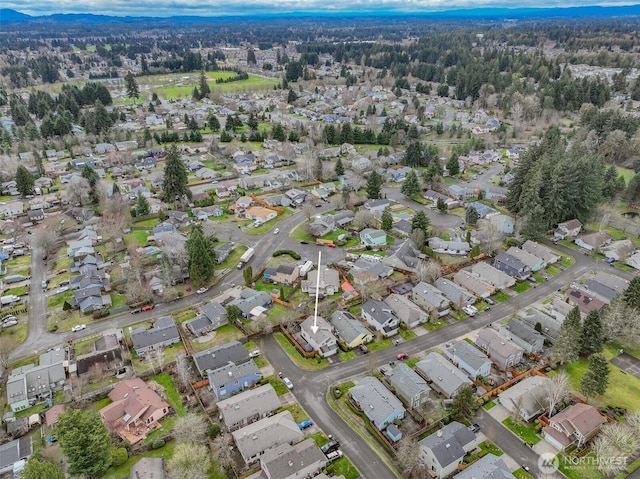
pixel 577 425
pixel 135 411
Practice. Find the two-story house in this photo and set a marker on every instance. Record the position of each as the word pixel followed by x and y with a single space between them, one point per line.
pixel 378 404
pixel 349 329
pixel 372 237
pixel 469 358
pixel 163 333
pixel 248 406
pixel 328 285
pixel 322 340
pixel 408 385
pixel 233 377
pixel 442 374
pixel 575 425
pixel 511 265
pixel 503 352
pixel 430 299
pixel 379 316
pixel 405 310
pixel 445 449
pixel 523 335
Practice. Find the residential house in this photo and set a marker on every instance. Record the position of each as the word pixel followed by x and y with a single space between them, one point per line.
pixel 473 284
pixel 487 467
pixel 398 174
pixel 403 256
pixel 568 229
pixel 533 262
pixel 282 274
pixel 585 301
pixel 252 303
pixel 223 250
pixel 29 384
pixel 322 340
pixel 618 250
pixel 260 214
pixel 503 352
pixel 430 299
pixel 444 450
pixel 634 260
pixel 255 439
pixel 408 385
pixel 502 223
pixel 301 460
pixel 606 286
pixel 233 377
pixel 459 192
pixel 90 299
pixel 457 295
pixel 52 415
pixel 216 357
pixel 455 248
pixel 574 426
pixel 14 451
pixel 511 265
pixel 180 219
pixel 105 355
pixel 212 316
pixel 546 254
pixel 405 310
pixel 493 276
pixel 35 216
pixel 593 241
pixel 434 196
pixel 248 406
pixel 549 325
pixel 443 376
pixel 376 205
pixel 11 208
pixel 469 358
pixel 482 209
pixel 526 399
pixel 148 468
pixel 147 163
pixel 372 237
pixel 243 203
pixel 328 285
pixel 523 335
pixel 135 409
pixel 349 329
pixel 207 212
pixel 163 333
pixel 377 403
pixel 378 315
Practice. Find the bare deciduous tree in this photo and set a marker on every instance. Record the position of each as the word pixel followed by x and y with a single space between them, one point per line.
pixel 155 358
pixel 189 461
pixel 114 215
pixel 417 236
pixel 183 371
pixel 408 458
pixel 618 441
pixel 428 271
pixel 190 428
pixel 363 219
pixel 556 390
pixel 337 201
pixel 222 451
pixel 308 210
pixel 47 234
pixel 491 238
pixel 78 191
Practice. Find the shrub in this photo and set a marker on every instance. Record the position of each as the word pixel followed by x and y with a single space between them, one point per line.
pixel 291 253
pixel 214 430
pixel 119 456
pixel 157 444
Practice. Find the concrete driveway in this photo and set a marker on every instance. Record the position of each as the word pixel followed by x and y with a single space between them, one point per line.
pixel 628 364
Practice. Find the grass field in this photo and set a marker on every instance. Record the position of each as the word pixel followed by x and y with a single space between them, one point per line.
pixel 171 393
pixel 626 174
pixel 524 432
pixel 296 357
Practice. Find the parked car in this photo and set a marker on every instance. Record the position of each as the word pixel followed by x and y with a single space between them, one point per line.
pixel 304 242
pixel 363 349
pixel 9 317
pixel 62 289
pixel 202 290
pixel 490 301
pixel 470 310
pixel 331 446
pixel 333 455
pixel 136 310
pixel 276 231
pixel 44 284
pixel 287 382
pixel 148 307
pixel 79 327
pixel 305 424
pixel 254 353
pixel 61 271
pixel 8 324
pixel 402 356
pixel 474 427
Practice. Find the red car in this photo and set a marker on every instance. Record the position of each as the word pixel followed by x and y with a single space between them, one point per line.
pixel 402 356
pixel 61 271
pixel 148 307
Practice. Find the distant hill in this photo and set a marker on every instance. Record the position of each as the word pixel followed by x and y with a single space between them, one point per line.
pixel 8 15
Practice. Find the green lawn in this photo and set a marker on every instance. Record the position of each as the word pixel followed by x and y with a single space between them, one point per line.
pixel 623 389
pixel 524 432
pixel 552 270
pixel 585 470
pixel 269 225
pixel 296 357
pixel 299 234
pixel 429 326
pixel 171 393
pixel 277 384
pixel 522 474
pixel 626 173
pixel 347 355
pixel 344 467
pixel 489 405
pixel 122 471
pixel 521 287
pixel 224 334
pixel 501 297
pixel 406 334
pixel 490 448
pixel 379 344
pixel 57 300
pixel 233 259
pixel 297 412
pixel 174 86
pixel 17 332
pixel 23 261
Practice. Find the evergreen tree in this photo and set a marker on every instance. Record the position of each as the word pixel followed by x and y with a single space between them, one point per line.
pixel 247 275
pixel 252 122
pixel 420 221
pixel 317 169
pixel 174 185
pixel 204 85
pixel 213 122
pixel 566 347
pixel 37 469
pixel 441 205
pixel 25 182
pixel 251 57
pixel 86 443
pixel 471 215
pixel 291 96
pixel 591 339
pixel 411 185
pixel 374 184
pixel 89 174
pixel 386 220
pixel 453 165
pixel 131 85
pixel 631 295
pixel 339 168
pixel 142 205
pixel 464 405
pixel 413 154
pixel 202 257
pixel 595 380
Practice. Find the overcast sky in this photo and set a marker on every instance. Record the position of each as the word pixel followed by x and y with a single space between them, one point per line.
pixel 247 7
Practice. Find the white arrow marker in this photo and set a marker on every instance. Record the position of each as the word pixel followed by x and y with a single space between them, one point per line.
pixel 315 328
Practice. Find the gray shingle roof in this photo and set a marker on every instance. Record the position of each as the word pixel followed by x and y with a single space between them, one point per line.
pixel 164 329
pixel 488 467
pixel 406 381
pixel 468 353
pixel 249 403
pixel 378 401
pixel 254 439
pixel 348 327
pixel 447 444
pixel 218 356
pixel 442 373
pixel 286 461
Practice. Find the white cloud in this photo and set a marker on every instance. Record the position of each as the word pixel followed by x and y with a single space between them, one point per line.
pixel 248 7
